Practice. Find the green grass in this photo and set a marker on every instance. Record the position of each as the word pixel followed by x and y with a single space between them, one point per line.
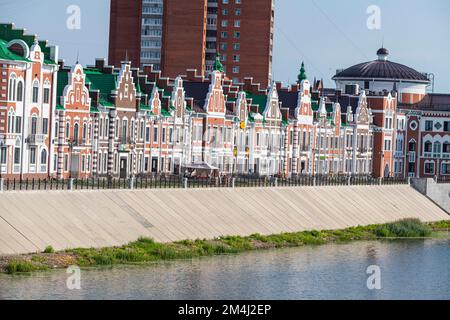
pixel 408 228
pixel 49 249
pixel 146 250
pixel 17 266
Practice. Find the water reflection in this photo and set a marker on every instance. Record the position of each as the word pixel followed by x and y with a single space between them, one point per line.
pixel 410 270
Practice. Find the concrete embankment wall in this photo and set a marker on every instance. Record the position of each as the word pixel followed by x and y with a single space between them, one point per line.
pixel 30 221
pixel 437 192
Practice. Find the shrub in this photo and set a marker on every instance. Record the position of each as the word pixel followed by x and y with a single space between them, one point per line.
pixel 17 266
pixel 49 249
pixel 407 228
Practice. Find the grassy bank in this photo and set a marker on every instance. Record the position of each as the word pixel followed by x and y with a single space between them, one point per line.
pixel 146 250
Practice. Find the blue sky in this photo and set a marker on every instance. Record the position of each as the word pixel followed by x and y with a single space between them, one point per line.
pixel 326 34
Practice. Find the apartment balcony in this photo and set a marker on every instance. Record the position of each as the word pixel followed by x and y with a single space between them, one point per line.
pixel 36 139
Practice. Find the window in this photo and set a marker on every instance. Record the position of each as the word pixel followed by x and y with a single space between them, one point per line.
pixel 428 147
pixel 35 92
pixel 163 135
pixel 170 135
pixel 237 35
pixel 147 134
pixel 445 168
pixel 84 132
pixel 429 167
pixel 16 155
pixel 76 129
pixel 32 155
pixel 223 46
pixel 237 23
pixel 224 23
pixel 446 126
pixel 235 69
pixel 224 34
pixel 225 12
pixel 155 134
pixel 3 155
pixel 236 58
pixel 387 145
pixel 19 95
pixel 67 130
pixel 428 125
pixel 446 147
pixel 124 130
pixel 83 163
pixel 237 46
pixel 437 148
pixel 44 157
pixel 44 126
pixel 18 124
pixel 66 163
pixel 34 125
pixel 46 95
pixel 238 12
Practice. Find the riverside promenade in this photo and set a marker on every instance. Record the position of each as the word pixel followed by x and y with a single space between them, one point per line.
pixel 32 220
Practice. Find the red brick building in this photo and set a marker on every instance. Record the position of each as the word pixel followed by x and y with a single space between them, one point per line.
pixel 176 35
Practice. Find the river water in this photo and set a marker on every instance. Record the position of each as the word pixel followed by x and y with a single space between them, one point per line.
pixel 410 269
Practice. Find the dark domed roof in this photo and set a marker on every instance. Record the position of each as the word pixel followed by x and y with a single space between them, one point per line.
pixel 383 51
pixel 381 69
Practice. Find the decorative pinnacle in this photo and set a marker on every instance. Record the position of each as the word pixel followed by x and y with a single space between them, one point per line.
pixel 302 76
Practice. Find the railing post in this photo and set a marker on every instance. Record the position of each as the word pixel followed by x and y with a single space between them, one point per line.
pixel 233 183
pixel 349 181
pixel 276 182
pixel 185 183
pixel 314 181
pixel 409 181
pixel 2 184
pixel 131 183
pixel 380 181
pixel 71 184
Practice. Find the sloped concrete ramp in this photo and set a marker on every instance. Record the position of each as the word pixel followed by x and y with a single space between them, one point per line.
pixel 30 221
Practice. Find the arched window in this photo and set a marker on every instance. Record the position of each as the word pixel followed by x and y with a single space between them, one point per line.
pixel 12 88
pixel 437 148
pixel 67 130
pixel 11 121
pixel 19 95
pixel 44 157
pixel 446 147
pixel 76 129
pixel 428 147
pixel 84 131
pixel 34 125
pixel 35 91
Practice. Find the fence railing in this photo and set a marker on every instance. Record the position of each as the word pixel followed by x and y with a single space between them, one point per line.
pixel 174 182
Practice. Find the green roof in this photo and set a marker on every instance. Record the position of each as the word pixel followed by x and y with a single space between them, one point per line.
pixel 63 80
pixel 8 33
pixel 145 107
pixel 59 107
pixel 6 54
pixel 103 82
pixel 165 113
pixel 260 100
pixel 106 103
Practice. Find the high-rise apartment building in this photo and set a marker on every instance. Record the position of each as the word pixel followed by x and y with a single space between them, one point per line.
pixel 175 35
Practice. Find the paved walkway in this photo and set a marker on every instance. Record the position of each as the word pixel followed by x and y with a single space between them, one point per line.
pixel 30 221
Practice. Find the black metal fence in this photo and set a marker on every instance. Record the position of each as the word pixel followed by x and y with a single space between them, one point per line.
pixel 176 182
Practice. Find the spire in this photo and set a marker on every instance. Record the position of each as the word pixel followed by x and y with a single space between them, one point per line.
pixel 302 76
pixel 218 65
